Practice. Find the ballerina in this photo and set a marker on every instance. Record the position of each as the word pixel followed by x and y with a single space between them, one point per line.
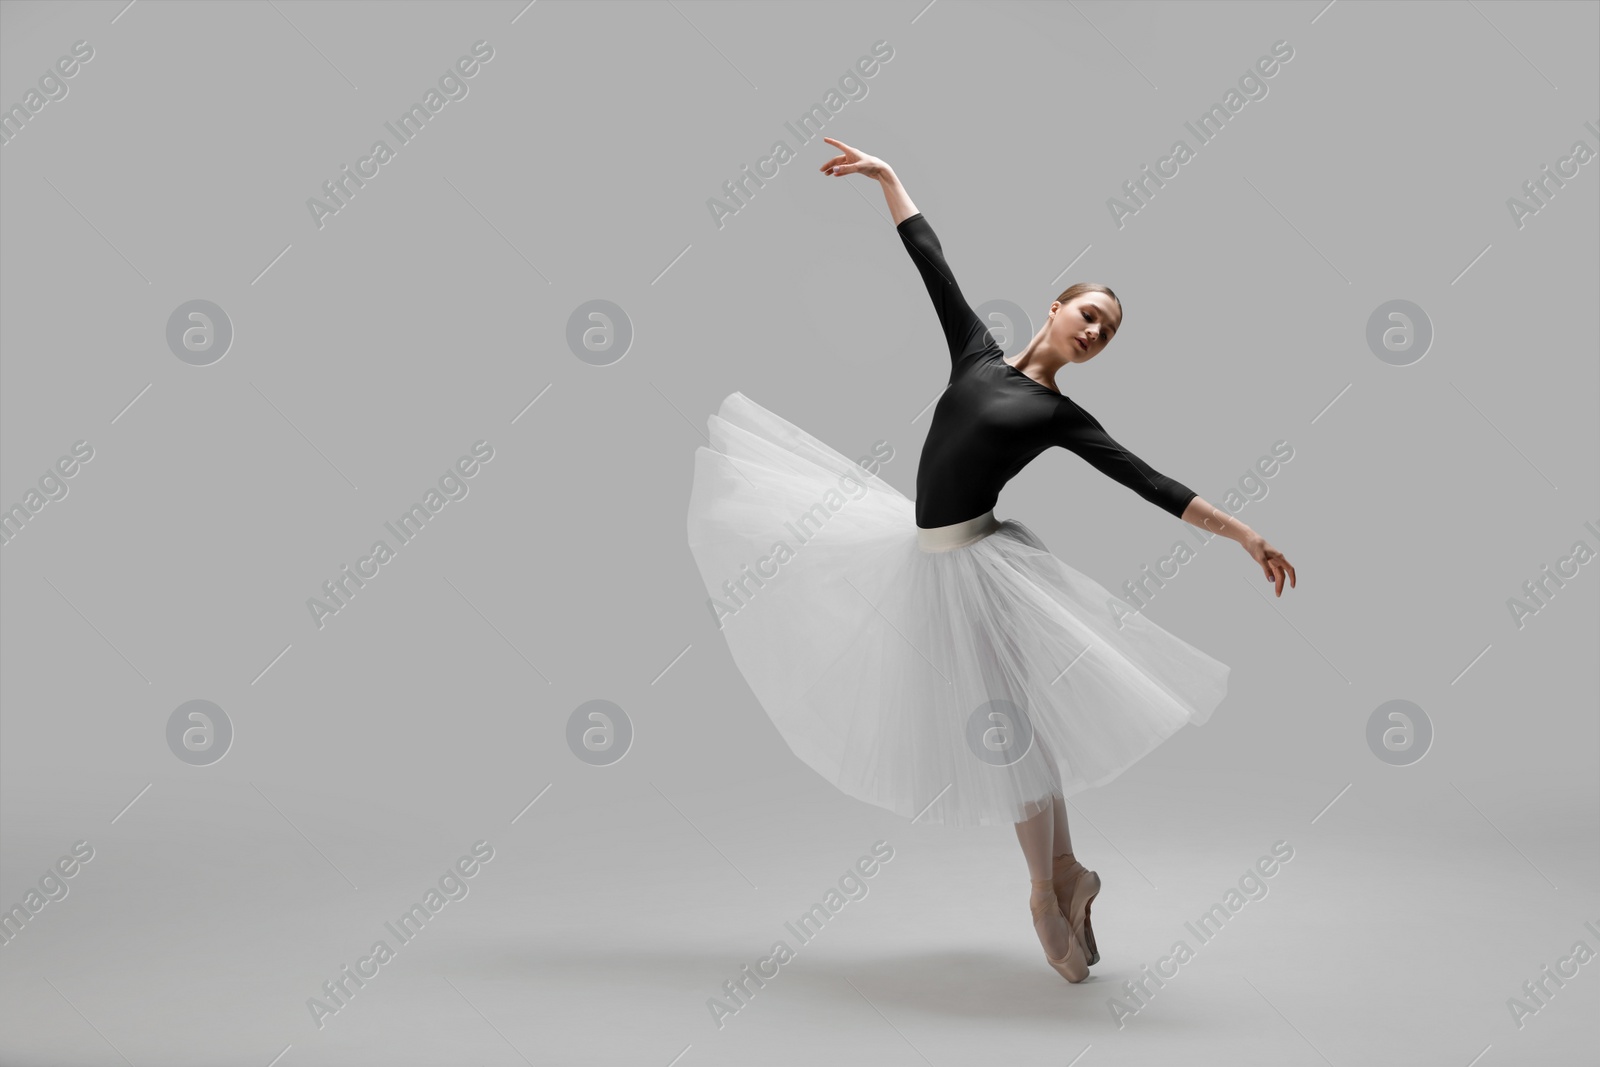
pixel 928 657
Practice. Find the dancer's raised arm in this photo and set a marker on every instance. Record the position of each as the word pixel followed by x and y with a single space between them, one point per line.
pixel 965 334
pixel 850 161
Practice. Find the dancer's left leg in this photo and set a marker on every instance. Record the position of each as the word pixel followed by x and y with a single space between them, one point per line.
pixel 1062 839
pixel 1036 835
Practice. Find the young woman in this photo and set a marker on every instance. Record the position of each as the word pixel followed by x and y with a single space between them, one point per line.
pixel 931 659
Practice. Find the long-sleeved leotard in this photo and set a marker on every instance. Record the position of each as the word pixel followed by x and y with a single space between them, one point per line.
pixel 993 419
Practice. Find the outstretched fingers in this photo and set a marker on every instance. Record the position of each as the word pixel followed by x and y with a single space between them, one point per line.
pixel 841 146
pixel 847 156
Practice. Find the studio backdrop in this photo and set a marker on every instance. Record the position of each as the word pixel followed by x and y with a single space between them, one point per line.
pixel 364 700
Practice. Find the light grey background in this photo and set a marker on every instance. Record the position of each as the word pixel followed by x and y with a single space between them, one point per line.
pixel 370 354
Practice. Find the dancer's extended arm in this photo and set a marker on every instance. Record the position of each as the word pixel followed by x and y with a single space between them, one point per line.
pixel 1081 433
pixel 1213 519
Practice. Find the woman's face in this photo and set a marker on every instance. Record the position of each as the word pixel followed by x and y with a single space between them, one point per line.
pixel 1084 326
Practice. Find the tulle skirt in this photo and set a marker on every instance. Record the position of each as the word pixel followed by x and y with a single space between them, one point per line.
pixel 962 675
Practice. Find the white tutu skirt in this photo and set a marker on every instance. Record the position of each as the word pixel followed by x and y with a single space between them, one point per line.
pixel 962 685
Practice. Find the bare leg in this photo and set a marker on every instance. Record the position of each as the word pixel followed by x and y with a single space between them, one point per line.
pixel 1063 835
pixel 1073 895
pixel 1037 836
pixel 1041 835
pixel 1060 833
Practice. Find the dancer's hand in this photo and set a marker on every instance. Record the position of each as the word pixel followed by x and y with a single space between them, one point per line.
pixel 1273 565
pixel 851 161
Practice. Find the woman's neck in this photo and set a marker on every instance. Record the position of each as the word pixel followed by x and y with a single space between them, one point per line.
pixel 1039 362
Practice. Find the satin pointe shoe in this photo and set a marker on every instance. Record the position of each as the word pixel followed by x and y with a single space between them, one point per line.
pixel 1076 889
pixel 1042 903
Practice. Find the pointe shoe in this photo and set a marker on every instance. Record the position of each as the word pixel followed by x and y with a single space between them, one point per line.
pixel 1071 965
pixel 1076 889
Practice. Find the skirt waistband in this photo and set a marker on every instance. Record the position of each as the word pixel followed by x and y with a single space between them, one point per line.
pixel 944 538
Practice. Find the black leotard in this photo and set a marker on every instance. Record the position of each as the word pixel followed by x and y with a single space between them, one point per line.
pixel 993 419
